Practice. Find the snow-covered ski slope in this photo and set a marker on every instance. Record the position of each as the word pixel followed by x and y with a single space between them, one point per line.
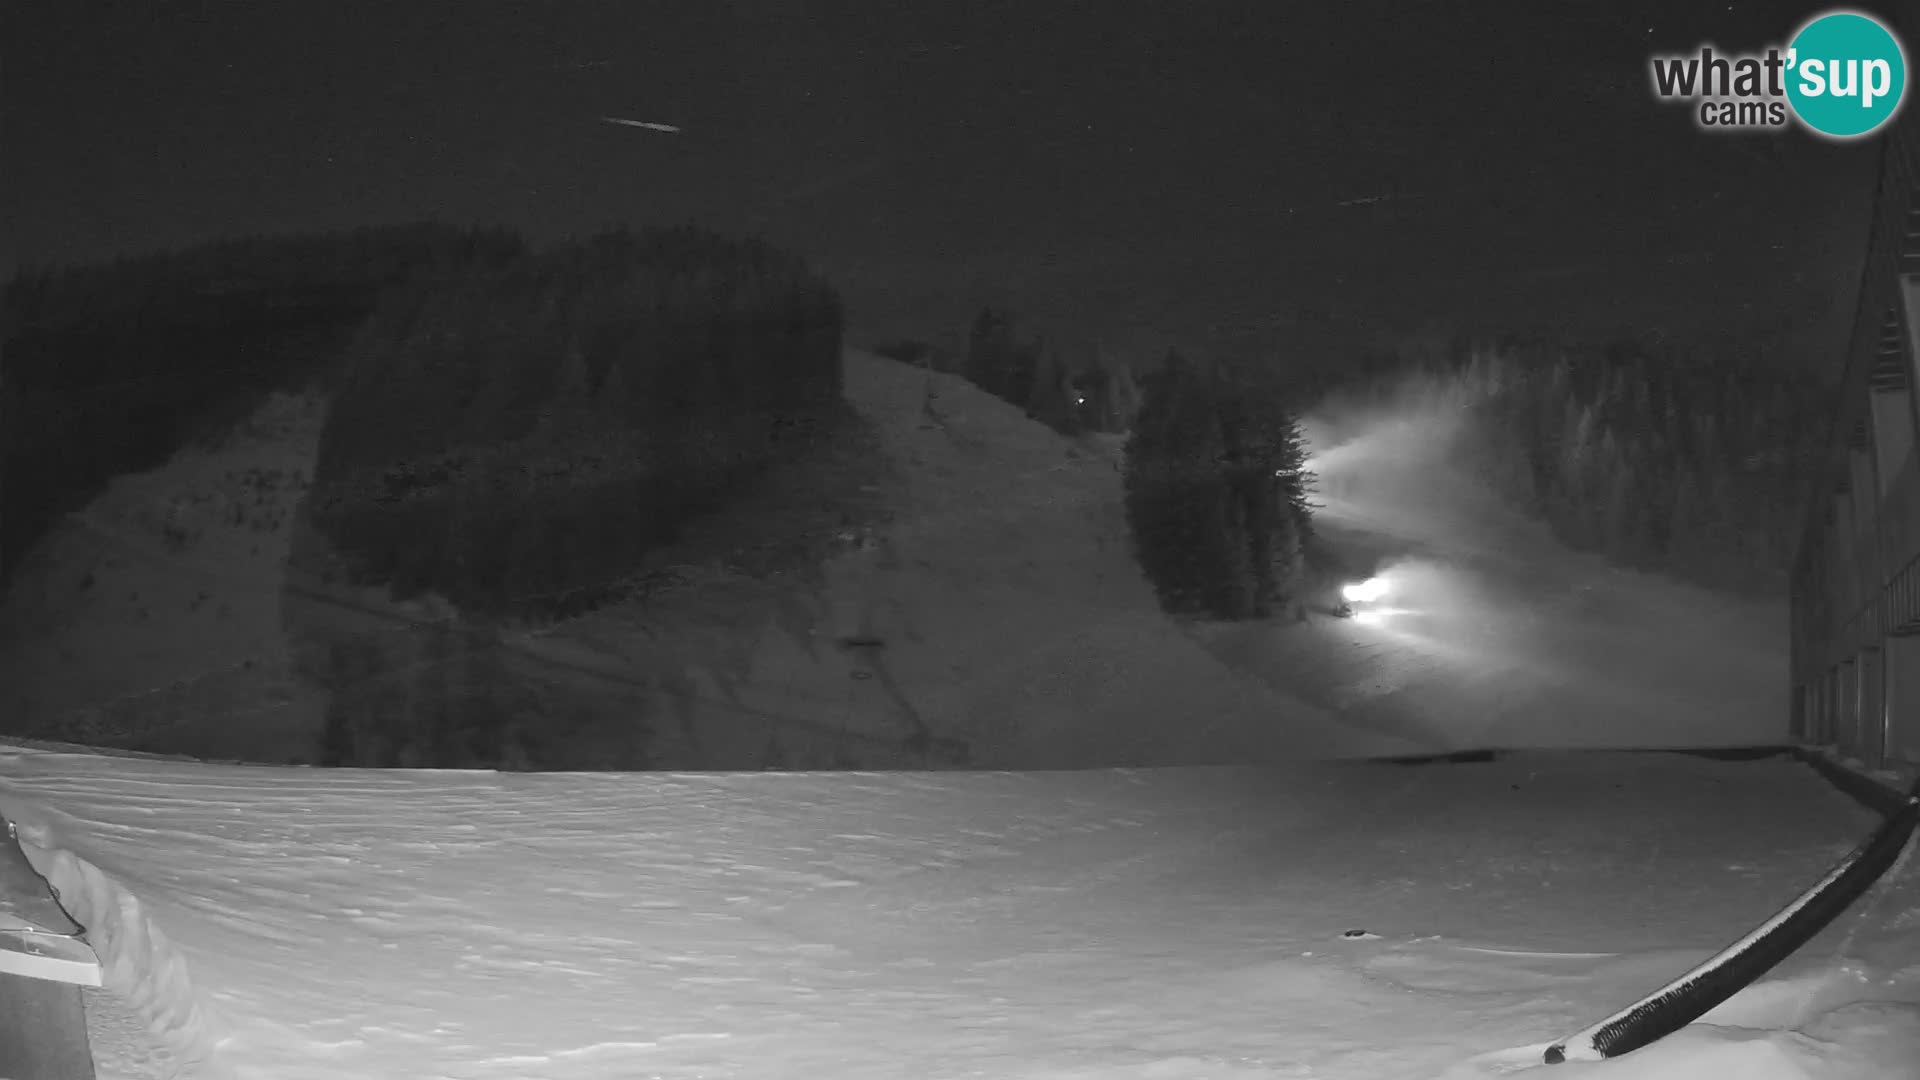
pixel 1508 638
pixel 1015 618
pixel 1144 925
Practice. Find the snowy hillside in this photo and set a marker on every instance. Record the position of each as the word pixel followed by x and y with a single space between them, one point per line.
pixel 993 616
pixel 158 608
pixel 985 609
pixel 998 607
pixel 1172 924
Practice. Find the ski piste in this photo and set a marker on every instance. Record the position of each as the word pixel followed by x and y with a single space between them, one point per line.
pixel 1727 972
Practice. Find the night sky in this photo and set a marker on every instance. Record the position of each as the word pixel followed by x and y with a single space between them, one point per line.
pixel 1141 172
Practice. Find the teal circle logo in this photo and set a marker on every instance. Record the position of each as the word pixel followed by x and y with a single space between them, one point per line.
pixel 1846 74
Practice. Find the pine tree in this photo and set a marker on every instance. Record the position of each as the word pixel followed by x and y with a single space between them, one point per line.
pixel 1173 514
pixel 1264 438
pixel 1217 492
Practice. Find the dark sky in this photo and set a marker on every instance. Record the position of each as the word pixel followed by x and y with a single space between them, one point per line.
pixel 1145 171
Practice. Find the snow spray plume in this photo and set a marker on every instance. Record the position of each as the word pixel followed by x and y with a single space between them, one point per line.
pixel 1725 974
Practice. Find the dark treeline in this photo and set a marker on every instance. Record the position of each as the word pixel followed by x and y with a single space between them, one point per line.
pixel 1217 490
pixel 516 435
pixel 111 368
pixel 1691 461
pixel 1216 486
pixel 511 429
pixel 1069 390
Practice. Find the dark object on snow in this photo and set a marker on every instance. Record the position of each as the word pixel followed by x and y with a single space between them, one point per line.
pixel 1725 974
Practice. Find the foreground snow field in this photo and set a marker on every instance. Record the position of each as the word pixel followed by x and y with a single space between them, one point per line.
pixel 1152 924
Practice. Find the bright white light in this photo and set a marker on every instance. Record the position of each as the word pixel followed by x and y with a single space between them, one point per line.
pixel 1370 617
pixel 1364 592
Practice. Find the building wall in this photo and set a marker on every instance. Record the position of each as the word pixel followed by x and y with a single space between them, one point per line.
pixel 1856 582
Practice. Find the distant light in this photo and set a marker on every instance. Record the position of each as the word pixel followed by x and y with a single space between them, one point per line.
pixel 1369 617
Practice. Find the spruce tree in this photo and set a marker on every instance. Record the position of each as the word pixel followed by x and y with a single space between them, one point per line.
pixel 1216 492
